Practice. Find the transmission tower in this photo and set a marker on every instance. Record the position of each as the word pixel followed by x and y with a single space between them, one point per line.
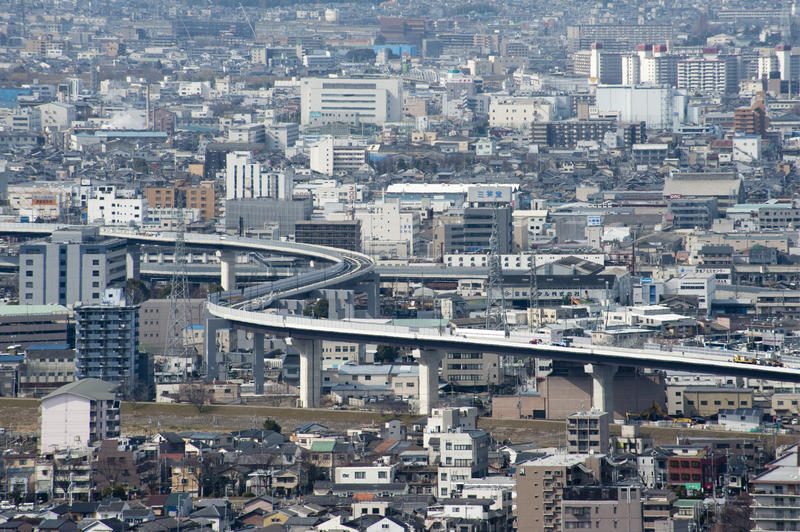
pixel 495 293
pixel 176 344
pixel 533 292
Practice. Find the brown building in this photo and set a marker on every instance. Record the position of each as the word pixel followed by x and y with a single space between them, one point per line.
pixel 342 234
pixel 201 196
pixel 541 484
pixel 750 120
pixel 605 508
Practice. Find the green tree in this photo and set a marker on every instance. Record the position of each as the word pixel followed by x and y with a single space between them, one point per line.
pixel 271 424
pixel 136 291
pixel 386 354
pixel 318 310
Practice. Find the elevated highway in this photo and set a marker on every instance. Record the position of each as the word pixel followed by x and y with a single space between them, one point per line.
pixel 249 308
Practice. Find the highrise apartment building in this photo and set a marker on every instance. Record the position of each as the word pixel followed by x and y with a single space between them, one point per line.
pixel 107 342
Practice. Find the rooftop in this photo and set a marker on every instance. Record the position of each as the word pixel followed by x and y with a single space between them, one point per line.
pixel 92 389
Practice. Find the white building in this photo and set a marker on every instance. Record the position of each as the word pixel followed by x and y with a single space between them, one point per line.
pixel 384 222
pixel 631 70
pixel 653 104
pixel 247 133
pixel 707 75
pixel 747 148
pixel 281 135
pixel 700 285
pixel 56 115
pixel 352 101
pixel 332 156
pixel 43 200
pixel 365 474
pixel 740 419
pixel 518 113
pixel 116 207
pixel 326 191
pixel 79 415
pixel 244 178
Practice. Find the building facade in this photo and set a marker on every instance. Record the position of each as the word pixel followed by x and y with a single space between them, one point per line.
pixel 75 264
pixel 107 342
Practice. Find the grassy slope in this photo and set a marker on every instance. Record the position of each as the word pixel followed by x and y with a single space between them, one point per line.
pixel 22 415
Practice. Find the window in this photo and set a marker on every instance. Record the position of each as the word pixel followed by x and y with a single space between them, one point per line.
pixel 360 474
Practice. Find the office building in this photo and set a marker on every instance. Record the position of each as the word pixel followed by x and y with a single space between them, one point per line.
pixel 45 368
pixel 247 133
pixel 154 322
pixel 258 213
pixel 26 325
pixel 472 371
pixel 79 415
pixel 107 342
pixel 282 135
pixel 74 264
pixel 112 206
pixel 587 432
pixel 352 101
pixel 387 229
pixel 691 213
pixel 706 401
pixel 517 113
pixel 470 231
pixel 343 234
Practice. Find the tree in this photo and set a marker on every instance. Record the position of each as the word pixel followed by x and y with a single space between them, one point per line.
pixel 136 291
pixel 197 395
pixel 736 515
pixel 318 310
pixel 271 424
pixel 386 354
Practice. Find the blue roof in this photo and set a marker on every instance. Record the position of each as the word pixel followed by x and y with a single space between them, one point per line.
pixel 47 347
pixel 12 358
pixel 196 327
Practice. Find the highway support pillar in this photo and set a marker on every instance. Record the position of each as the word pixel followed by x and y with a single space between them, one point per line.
pixel 227 269
pixel 310 370
pixel 212 364
pixel 258 362
pixel 132 262
pixel 602 386
pixel 428 361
